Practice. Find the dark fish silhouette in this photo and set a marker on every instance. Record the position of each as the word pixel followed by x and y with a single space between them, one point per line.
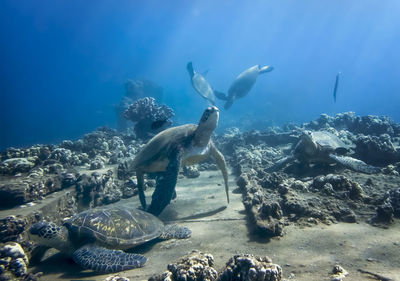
pixel 158 124
pixel 336 86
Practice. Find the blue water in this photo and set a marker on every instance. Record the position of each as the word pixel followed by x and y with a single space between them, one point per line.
pixel 63 63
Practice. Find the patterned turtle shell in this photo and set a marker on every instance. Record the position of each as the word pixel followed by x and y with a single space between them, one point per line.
pixel 330 142
pixel 120 228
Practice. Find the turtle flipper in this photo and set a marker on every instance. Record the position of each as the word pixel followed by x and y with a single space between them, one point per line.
pixel 166 183
pixel 355 164
pixel 140 183
pixel 219 158
pixel 106 260
pixel 220 95
pixel 281 163
pixel 175 231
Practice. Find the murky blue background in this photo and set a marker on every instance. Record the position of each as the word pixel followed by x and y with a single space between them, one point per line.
pixel 63 63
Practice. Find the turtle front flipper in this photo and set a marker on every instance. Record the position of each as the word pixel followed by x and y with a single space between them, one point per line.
pixel 355 164
pixel 166 183
pixel 105 260
pixel 281 163
pixel 219 158
pixel 140 183
pixel 175 231
pixel 220 95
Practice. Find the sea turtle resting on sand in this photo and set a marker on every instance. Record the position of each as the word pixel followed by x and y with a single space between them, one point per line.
pixel 242 84
pixel 95 238
pixel 324 147
pixel 164 153
pixel 201 85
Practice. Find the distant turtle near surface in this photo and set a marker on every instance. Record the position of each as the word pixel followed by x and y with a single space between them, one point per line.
pixel 201 85
pixel 164 153
pixel 324 147
pixel 242 84
pixel 95 238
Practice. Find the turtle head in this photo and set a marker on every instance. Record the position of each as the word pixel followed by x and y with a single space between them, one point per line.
pixel 307 145
pixel 207 125
pixel 49 234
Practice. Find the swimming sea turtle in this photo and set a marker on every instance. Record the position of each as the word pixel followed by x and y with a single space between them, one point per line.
pixel 242 84
pixel 164 153
pixel 200 84
pixel 324 147
pixel 95 238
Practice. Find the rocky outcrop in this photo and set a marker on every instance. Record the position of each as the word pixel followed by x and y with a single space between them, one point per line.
pixel 144 113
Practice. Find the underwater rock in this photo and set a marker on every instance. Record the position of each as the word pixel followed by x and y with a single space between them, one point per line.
pixel 394 200
pixel 271 180
pixel 130 189
pixel 229 140
pixel 14 166
pixel 339 185
pixel 144 112
pixel 265 213
pixel 389 209
pixel 338 273
pixel 97 163
pixel 367 125
pixel 250 268
pixel 192 267
pixel 191 172
pixel 20 190
pixel 14 259
pixel 97 189
pixel 376 150
pixel 11 228
pixel 62 155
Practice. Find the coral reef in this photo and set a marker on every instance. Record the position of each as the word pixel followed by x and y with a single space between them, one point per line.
pixel 11 228
pixel 199 266
pixel 194 266
pixel 13 260
pixel 377 150
pixel 97 189
pixel 144 112
pixel 21 190
pixel 250 268
pixel 135 90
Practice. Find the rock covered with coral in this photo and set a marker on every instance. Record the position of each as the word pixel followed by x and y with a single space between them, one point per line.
pixel 97 189
pixel 144 112
pixel 250 268
pixel 199 266
pixel 134 90
pixel 13 261
pixel 192 267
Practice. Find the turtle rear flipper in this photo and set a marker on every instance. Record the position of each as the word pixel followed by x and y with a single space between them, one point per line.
pixel 175 231
pixel 281 163
pixel 220 95
pixel 355 164
pixel 166 182
pixel 106 260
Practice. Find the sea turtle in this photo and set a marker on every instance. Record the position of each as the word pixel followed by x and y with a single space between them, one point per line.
pixel 242 84
pixel 94 238
pixel 164 153
pixel 324 147
pixel 201 85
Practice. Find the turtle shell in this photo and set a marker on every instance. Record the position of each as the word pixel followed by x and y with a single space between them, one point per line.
pixel 118 228
pixel 329 142
pixel 154 155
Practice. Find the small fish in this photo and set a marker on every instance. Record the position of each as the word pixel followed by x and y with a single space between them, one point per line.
pixel 158 124
pixel 336 86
